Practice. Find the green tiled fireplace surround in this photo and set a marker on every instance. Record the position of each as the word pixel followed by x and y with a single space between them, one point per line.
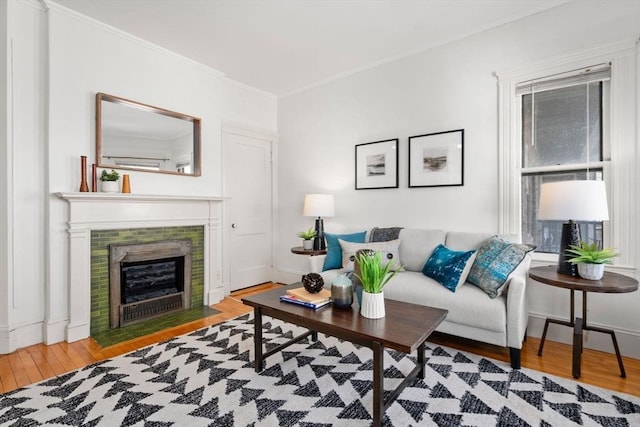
pixel 100 241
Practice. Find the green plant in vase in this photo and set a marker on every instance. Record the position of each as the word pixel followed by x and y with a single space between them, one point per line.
pixel 307 238
pixel 109 181
pixel 590 259
pixel 373 276
pixel 109 176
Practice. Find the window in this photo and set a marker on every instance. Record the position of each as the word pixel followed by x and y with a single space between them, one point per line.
pixel 561 140
pixel 529 153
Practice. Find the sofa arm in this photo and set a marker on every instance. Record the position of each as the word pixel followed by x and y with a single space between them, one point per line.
pixel 316 263
pixel 517 311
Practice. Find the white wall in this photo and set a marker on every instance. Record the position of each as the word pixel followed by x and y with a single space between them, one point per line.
pixel 4 187
pixel 23 273
pixel 449 87
pixel 63 61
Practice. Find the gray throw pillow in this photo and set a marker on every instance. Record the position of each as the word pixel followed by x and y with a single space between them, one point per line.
pixel 494 262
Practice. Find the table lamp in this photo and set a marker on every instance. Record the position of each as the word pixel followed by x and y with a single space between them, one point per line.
pixel 572 201
pixel 319 205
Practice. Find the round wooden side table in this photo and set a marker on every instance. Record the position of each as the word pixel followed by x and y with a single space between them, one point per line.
pixel 610 283
pixel 299 250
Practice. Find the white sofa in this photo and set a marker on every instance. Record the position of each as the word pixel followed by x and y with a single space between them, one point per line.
pixel 472 313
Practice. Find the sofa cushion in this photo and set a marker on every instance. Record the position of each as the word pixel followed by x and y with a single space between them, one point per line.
pixel 494 262
pixel 447 267
pixel 389 252
pixel 469 305
pixel 334 252
pixel 416 246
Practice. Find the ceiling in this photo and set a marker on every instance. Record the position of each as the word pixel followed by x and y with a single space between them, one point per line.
pixel 281 46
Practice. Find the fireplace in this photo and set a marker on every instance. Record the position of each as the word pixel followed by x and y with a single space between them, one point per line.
pixel 148 280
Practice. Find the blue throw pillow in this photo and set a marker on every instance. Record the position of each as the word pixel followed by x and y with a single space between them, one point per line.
pixel 448 267
pixel 494 263
pixel 334 251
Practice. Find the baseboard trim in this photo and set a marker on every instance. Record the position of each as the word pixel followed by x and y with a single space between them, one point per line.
pixel 55 331
pixel 21 336
pixel 628 341
pixel 77 332
pixel 6 341
pixel 214 296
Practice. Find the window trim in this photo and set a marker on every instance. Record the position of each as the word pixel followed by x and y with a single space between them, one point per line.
pixel 622 230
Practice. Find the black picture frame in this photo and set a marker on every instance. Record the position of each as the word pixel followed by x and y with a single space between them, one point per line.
pixel 437 159
pixel 376 165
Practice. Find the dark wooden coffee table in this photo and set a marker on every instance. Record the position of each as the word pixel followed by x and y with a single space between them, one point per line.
pixel 404 328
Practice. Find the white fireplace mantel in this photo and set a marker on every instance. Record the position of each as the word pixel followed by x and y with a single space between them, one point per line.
pixel 109 211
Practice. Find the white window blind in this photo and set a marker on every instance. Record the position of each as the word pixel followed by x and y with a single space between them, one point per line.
pixel 596 73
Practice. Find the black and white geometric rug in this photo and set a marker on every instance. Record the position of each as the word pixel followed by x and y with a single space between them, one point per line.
pixel 206 378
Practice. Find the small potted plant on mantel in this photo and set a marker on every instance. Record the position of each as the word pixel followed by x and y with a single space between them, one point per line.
pixel 109 181
pixel 307 238
pixel 590 259
pixel 373 276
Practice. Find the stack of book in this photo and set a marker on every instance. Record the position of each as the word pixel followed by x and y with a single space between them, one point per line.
pixel 301 297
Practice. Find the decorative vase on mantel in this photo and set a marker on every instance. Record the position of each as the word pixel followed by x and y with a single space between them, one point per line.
pixel 126 184
pixel 84 186
pixel 372 305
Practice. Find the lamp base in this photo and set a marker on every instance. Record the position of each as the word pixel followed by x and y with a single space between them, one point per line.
pixel 570 236
pixel 318 241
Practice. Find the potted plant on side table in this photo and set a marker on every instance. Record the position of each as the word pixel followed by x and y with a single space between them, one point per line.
pixel 307 238
pixel 109 181
pixel 590 259
pixel 373 276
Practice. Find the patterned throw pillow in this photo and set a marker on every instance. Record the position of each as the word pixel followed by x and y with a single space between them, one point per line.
pixel 389 252
pixel 334 251
pixel 496 259
pixel 447 267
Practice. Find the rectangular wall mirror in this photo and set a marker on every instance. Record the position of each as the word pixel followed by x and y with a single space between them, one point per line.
pixel 136 136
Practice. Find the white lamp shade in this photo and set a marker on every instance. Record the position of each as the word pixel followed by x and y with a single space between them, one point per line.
pixel 318 205
pixel 573 200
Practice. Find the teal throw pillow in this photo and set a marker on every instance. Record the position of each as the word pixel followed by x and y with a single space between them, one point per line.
pixel 447 267
pixel 333 259
pixel 494 263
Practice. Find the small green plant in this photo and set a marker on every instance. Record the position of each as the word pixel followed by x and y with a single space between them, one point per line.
pixel 307 234
pixel 109 176
pixel 588 253
pixel 373 275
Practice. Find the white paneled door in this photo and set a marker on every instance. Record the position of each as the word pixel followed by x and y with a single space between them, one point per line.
pixel 248 184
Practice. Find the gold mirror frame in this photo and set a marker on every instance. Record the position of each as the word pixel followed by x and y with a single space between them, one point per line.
pixel 138 108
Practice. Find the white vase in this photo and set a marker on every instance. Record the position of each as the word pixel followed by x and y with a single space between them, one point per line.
pixel 591 271
pixel 110 186
pixel 307 245
pixel 372 305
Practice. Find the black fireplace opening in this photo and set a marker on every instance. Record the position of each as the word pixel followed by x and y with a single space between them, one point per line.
pixel 143 280
pixel 148 280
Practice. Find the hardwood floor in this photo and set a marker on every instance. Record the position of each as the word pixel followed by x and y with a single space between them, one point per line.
pixel 38 362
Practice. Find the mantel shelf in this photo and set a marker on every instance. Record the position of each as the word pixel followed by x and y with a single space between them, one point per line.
pixel 134 197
